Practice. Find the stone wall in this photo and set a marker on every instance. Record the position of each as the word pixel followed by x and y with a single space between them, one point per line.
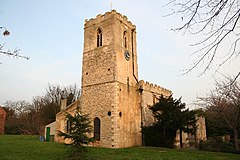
pixel 185 139
pixel 99 101
pixel 201 129
pixel 148 96
pixel 129 116
pixel 200 134
pixel 107 62
pixel 61 122
pixel 3 115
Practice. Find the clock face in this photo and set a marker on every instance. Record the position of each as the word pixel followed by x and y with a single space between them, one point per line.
pixel 127 55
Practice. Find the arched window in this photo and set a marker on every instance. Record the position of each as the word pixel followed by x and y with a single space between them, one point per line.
pixel 125 39
pixel 97 126
pixel 99 37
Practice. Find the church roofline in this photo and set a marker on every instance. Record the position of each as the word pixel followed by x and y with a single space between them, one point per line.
pixel 67 108
pixel 153 87
pixel 106 15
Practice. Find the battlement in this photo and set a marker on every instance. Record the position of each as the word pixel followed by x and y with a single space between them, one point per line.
pixel 107 15
pixel 153 88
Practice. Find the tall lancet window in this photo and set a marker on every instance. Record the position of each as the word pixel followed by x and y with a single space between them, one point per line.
pixel 97 126
pixel 125 39
pixel 99 37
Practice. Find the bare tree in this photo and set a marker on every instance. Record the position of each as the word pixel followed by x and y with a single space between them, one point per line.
pixel 49 104
pixel 223 106
pixel 30 118
pixel 21 118
pixel 217 22
pixel 14 53
pixel 55 93
pixel 19 106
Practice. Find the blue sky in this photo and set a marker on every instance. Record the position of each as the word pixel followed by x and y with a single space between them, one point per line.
pixel 50 32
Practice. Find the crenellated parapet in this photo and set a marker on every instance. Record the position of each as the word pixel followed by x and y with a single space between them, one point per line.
pixel 153 88
pixel 107 15
pixel 149 94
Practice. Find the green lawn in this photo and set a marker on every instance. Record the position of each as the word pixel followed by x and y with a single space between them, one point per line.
pixel 30 148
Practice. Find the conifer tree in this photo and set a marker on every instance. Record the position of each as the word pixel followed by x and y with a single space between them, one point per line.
pixel 79 128
pixel 170 116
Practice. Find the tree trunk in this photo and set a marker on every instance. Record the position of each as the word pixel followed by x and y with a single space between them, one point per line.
pixel 180 135
pixel 236 139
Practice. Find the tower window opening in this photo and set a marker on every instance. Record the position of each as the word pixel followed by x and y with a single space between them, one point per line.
pixel 97 126
pixel 99 37
pixel 128 86
pixel 125 39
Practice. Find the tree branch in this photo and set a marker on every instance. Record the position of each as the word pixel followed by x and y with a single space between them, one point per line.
pixel 215 21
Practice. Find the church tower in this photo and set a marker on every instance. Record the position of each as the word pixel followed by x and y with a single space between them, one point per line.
pixel 110 92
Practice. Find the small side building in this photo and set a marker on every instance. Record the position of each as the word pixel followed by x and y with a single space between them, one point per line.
pixel 50 131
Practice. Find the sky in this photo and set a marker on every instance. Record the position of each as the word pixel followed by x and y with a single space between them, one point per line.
pixel 50 32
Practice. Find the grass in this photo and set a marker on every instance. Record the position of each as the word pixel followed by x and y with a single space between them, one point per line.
pixel 19 147
pixel 30 148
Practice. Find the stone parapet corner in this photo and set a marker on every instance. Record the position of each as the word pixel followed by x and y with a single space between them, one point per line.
pixel 101 17
pixel 152 87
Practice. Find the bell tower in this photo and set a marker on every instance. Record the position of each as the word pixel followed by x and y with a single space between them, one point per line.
pixel 110 93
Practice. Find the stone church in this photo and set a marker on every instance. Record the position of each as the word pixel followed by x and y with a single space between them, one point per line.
pixel 112 95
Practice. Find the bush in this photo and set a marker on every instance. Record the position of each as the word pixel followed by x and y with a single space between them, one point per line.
pixel 217 146
pixel 232 141
pixel 153 137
